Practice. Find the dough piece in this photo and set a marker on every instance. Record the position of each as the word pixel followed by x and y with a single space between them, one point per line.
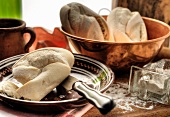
pixel 126 26
pixel 81 21
pixel 25 73
pixel 45 69
pixel 50 77
pixel 30 66
pixel 9 88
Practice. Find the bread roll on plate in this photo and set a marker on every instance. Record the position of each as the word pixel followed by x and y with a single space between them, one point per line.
pixel 9 88
pixel 41 71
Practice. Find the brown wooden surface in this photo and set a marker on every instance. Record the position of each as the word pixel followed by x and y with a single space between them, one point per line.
pixel 157 9
pixel 159 110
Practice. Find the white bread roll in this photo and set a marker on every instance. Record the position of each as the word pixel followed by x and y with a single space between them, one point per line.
pixel 45 69
pixel 126 26
pixel 81 21
pixel 30 65
pixel 9 88
pixel 50 77
pixel 25 73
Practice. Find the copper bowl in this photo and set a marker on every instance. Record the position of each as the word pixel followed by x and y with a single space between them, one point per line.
pixel 121 56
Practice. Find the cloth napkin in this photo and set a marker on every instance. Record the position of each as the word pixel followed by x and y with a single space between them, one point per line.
pixel 48 38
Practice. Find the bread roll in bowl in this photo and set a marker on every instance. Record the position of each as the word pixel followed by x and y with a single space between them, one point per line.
pixel 126 26
pixel 79 20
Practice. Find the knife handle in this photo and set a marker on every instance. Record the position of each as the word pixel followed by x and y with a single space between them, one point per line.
pixel 103 102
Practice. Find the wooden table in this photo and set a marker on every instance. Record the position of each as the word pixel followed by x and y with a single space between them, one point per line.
pixel 159 110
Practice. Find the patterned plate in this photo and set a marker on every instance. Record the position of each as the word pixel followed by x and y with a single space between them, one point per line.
pixel 84 68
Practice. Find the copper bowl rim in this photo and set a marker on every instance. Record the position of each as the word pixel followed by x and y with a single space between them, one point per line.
pixel 120 43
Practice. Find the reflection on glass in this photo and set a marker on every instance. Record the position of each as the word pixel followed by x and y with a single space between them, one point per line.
pixel 150 83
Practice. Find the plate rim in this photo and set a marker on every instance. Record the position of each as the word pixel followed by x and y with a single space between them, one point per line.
pixel 2 96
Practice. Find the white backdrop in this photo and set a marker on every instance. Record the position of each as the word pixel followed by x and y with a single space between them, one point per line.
pixel 45 13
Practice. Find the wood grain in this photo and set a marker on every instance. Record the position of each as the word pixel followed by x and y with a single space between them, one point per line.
pixel 158 9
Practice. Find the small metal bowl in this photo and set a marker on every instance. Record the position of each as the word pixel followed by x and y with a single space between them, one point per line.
pixel 121 56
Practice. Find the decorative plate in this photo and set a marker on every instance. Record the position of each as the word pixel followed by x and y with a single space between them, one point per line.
pixel 85 68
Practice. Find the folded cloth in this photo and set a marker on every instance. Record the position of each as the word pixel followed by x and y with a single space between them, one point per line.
pixel 126 26
pixel 48 38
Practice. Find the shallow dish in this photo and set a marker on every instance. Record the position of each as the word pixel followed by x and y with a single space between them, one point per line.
pixel 84 68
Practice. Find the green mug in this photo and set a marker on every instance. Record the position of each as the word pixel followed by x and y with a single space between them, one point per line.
pixel 11 9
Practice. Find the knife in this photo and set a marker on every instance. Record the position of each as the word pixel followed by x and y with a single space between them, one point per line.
pixel 102 102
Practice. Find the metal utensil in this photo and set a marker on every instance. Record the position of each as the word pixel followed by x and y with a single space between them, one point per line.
pixel 103 102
